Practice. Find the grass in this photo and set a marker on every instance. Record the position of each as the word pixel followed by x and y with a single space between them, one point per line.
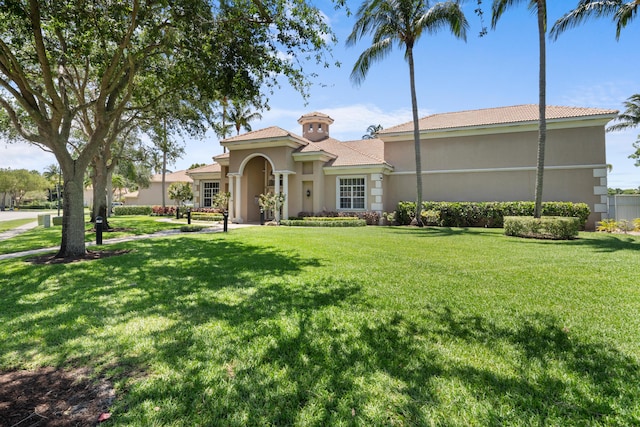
pixel 40 237
pixel 366 326
pixel 14 223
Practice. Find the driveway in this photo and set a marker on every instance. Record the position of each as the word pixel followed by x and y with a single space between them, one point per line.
pixel 26 214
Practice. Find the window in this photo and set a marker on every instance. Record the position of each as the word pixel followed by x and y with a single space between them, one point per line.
pixel 351 193
pixel 209 190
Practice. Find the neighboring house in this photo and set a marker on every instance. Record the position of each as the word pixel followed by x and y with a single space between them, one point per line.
pixel 152 195
pixel 481 155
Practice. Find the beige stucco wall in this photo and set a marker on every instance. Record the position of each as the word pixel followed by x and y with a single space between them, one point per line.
pixel 279 156
pixel 501 167
pixel 576 146
pixel 151 196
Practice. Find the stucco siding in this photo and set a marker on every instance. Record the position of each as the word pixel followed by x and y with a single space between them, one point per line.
pixel 576 146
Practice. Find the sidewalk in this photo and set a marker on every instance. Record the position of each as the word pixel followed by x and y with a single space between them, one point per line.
pixel 218 228
pixel 18 230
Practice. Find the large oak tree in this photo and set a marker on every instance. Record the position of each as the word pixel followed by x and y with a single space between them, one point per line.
pixel 60 60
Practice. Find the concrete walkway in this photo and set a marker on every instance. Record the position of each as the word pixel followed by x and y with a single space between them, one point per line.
pixel 18 230
pixel 217 228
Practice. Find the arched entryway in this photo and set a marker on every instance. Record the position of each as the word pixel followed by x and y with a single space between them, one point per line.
pixel 259 179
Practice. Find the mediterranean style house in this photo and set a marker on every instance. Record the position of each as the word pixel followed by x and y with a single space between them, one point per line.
pixel 480 155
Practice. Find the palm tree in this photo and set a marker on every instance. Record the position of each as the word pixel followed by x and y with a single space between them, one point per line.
pixel 119 183
pixel 540 6
pixel 54 175
pixel 371 131
pixel 621 12
pixel 240 115
pixel 403 22
pixel 630 118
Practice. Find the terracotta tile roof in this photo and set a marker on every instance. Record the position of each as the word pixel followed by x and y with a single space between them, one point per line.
pixel 178 176
pixel 266 133
pixel 315 114
pixel 497 116
pixel 350 153
pixel 214 167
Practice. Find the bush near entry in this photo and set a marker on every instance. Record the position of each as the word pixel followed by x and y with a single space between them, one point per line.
pixel 485 214
pixel 549 227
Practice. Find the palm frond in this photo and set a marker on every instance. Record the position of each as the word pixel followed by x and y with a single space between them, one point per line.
pixel 586 9
pixel 630 117
pixel 625 14
pixel 444 15
pixel 376 52
pixel 498 8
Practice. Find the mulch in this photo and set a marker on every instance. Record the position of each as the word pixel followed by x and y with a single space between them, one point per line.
pixel 88 256
pixel 53 398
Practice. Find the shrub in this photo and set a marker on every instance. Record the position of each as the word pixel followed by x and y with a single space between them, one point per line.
pixel 608 225
pixel 163 211
pixel 132 210
pixel 485 214
pixel 191 228
pixel 559 228
pixel 389 218
pixel 636 223
pixel 370 217
pixel 324 222
pixel 205 216
pixel 430 217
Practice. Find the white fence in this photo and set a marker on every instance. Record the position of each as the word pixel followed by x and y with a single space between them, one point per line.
pixel 624 206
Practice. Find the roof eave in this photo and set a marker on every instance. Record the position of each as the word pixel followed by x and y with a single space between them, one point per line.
pixel 523 126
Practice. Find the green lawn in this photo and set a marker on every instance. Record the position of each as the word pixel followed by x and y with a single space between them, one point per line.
pixel 363 326
pixel 50 237
pixel 14 223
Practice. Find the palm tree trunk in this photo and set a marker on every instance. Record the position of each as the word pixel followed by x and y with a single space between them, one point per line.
pixel 416 136
pixel 542 106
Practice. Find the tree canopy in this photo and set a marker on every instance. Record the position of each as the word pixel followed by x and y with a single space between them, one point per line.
pixel 105 63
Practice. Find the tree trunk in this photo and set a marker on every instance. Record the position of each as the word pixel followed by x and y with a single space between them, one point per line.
pixel 416 136
pixel 73 217
pixel 165 148
pixel 99 182
pixel 542 106
pixel 109 189
pixel 164 174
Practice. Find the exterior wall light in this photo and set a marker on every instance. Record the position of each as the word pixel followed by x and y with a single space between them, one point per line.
pixel 308 193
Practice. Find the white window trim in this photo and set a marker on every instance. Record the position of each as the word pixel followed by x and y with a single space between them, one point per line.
pixel 202 187
pixel 366 186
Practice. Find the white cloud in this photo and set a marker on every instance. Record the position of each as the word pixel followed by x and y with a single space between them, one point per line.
pixel 21 155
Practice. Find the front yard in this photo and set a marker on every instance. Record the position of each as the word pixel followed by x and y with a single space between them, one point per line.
pixel 349 326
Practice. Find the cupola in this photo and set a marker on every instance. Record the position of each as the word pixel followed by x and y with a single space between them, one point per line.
pixel 315 126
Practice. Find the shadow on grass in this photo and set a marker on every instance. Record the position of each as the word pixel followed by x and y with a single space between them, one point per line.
pixel 430 231
pixel 599 242
pixel 235 334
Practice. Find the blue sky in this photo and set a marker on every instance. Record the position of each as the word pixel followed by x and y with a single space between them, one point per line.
pixel 586 67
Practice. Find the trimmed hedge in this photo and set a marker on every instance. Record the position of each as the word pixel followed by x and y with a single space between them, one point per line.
pixel 132 210
pixel 484 214
pixel 371 217
pixel 547 227
pixel 191 228
pixel 204 216
pixel 324 222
